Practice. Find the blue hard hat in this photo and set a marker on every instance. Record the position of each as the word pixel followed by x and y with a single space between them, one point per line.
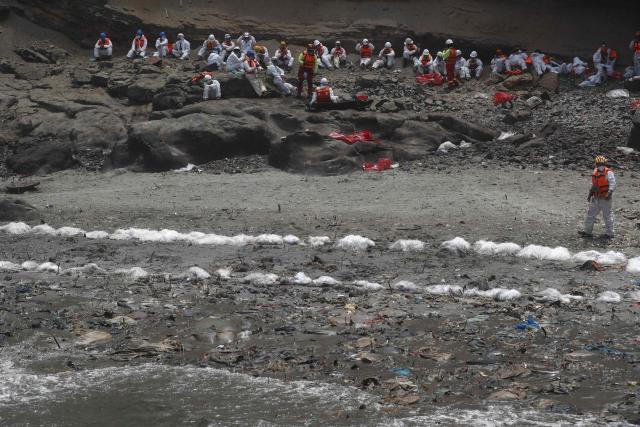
pixel 251 54
pixel 162 34
pixel 139 32
pixel 103 35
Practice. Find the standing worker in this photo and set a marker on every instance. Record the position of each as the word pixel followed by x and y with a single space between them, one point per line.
pixel 603 185
pixel 635 48
pixel 450 56
pixel 308 67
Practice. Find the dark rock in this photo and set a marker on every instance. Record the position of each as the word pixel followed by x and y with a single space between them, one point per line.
pixel 367 82
pixel 234 86
pixel 634 135
pixel 455 124
pixel 632 85
pixel 6 67
pixel 118 84
pixel 170 98
pixel 80 77
pixel 415 140
pixel 5 10
pixel 42 157
pixel 517 115
pixel 142 89
pixel 31 55
pixel 100 79
pixel 16 210
pixel 549 82
pixel 536 142
pixel 517 82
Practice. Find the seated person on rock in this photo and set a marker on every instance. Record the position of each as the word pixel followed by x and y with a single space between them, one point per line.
pixel 277 76
pixel 604 61
pixel 262 55
pixel 235 61
pixel 227 46
pixel 323 94
pixel 461 68
pixel 324 57
pixel 386 57
pixel 499 62
pixel 252 72
pixel 209 46
pixel 517 60
pixel 424 63
pixel 475 65
pixel 181 48
pixel 338 55
pixel 410 53
pixel 103 48
pixel 283 57
pixel 365 50
pixel 439 65
pixel 211 88
pixel 541 62
pixel 138 46
pixel 162 46
pixel 246 42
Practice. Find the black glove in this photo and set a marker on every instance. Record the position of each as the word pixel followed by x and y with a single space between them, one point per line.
pixel 609 196
pixel 589 197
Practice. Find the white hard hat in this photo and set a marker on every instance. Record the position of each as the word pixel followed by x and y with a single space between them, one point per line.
pixel 365 41
pixel 316 42
pixel 180 35
pixel 387 45
pixel 425 52
pixel 208 77
pixel 448 42
pixel 338 42
pixel 324 81
pixel 459 52
pixel 474 54
pixel 227 36
pixel 212 37
pixel 440 54
pixel 408 41
pixel 246 34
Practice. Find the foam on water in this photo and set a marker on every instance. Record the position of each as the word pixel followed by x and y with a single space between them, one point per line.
pixel 355 243
pixel 558 253
pixel 405 286
pixel 317 241
pixel 444 290
pixel 326 281
pixel 554 295
pixel 407 245
pixel 301 279
pixel 457 245
pixel 9 266
pixel 197 273
pixel 224 273
pixel 498 294
pixel 608 258
pixel 368 286
pixel 261 278
pixel 133 273
pixel 484 247
pixel 609 297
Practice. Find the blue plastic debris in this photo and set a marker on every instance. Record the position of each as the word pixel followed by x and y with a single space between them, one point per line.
pixel 604 350
pixel 402 372
pixel 531 323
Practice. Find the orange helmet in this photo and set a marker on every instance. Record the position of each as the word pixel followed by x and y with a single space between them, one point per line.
pixel 600 160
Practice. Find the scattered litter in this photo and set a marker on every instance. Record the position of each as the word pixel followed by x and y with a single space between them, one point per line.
pixel 402 372
pixel 446 146
pixel 9 266
pixel 317 241
pixel 635 105
pixel 505 135
pixel 609 296
pixel 301 279
pixel 261 279
pixel 591 266
pixel 15 228
pixel 457 245
pixel 531 323
pixel 604 350
pixel 354 243
pixel 358 136
pixel 224 273
pixel 545 253
pixel 326 281
pixel 501 98
pixel 444 290
pixel 554 295
pixel 198 273
pixel 407 245
pixel 498 294
pixel 430 79
pixel 188 168
pixel 48 267
pixel 382 164
pixel 608 258
pixel 465 144
pixel 618 93
pixel 368 286
pixel 484 247
pixel 290 239
pixel 625 150
pixel 405 286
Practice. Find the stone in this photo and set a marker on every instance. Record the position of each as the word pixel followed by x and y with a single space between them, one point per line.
pixel 415 140
pixel 524 80
pixel 517 115
pixel 470 129
pixel 93 338
pixel 31 55
pixel 143 88
pixel 550 82
pixel 42 157
pixel 16 210
pixel 534 101
pixel 634 135
pixel 100 79
pixel 80 77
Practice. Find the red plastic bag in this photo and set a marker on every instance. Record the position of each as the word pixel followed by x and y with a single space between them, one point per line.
pixel 635 104
pixel 431 79
pixel 513 72
pixel 195 79
pixel 359 136
pixel 363 98
pixel 381 165
pixel 502 98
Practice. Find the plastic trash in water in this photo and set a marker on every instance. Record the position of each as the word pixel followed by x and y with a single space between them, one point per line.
pixel 531 323
pixel 402 372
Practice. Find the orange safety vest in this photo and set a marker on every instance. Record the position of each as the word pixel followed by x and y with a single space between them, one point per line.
pixel 426 59
pixel 319 50
pixel 105 42
pixel 366 51
pixel 323 94
pixel 338 52
pixel 453 55
pixel 600 183
pixel 252 64
pixel 211 44
pixel 139 42
pixel 309 62
pixel 411 47
pixel 284 52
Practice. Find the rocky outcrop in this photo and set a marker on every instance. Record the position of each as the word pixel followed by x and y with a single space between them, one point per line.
pixel 634 136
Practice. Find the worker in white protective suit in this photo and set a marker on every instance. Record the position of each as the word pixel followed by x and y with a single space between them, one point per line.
pixel 138 46
pixel 439 65
pixel 246 42
pixel 262 55
pixel 323 94
pixel 475 65
pixel 215 61
pixel 461 68
pixel 498 62
pixel 103 48
pixel 235 61
pixel 424 64
pixel 209 46
pixel 541 62
pixel 322 52
pixel 410 52
pixel 517 60
pixel 603 186
pixel 386 57
pixel 283 57
pixel 252 72
pixel 338 55
pixel 604 60
pixel 277 76
pixel 577 67
pixel 635 50
pixel 227 46
pixel 211 89
pixel 162 45
pixel 181 48
pixel 365 50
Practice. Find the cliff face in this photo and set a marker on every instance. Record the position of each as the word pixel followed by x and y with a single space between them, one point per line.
pixel 563 27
